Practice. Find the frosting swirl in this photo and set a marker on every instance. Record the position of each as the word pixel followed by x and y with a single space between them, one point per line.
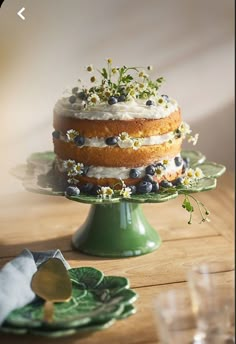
pixel 135 108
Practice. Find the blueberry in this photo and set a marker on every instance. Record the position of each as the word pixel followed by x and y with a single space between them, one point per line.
pixel 164 96
pixel 94 190
pixel 155 187
pixel 72 191
pixel 121 98
pixel 150 169
pixel 165 184
pixel 178 161
pixel 56 134
pixel 186 161
pixel 75 90
pixel 112 100
pixel 86 188
pixel 134 173
pixel 79 140
pixel 150 102
pixel 82 96
pixel 111 141
pixel 133 189
pixel 144 187
pixel 177 181
pixel 148 178
pixel 72 99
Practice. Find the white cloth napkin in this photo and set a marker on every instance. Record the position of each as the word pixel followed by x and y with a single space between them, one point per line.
pixel 15 279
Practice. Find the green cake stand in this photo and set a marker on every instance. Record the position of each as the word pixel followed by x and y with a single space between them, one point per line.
pixel 114 227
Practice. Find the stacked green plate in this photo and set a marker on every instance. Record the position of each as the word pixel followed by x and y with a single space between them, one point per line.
pixel 97 302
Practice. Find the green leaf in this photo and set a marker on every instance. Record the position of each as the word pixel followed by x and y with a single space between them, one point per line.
pixel 88 276
pixel 104 73
pixel 187 205
pixel 212 169
pixel 195 157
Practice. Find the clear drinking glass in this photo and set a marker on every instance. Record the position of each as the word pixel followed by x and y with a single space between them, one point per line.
pixel 212 291
pixel 175 317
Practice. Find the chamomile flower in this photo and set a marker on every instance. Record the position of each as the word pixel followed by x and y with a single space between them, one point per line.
pixel 114 71
pixel 71 134
pixel 184 128
pixel 90 68
pixel 109 60
pixel 69 164
pixel 93 79
pixel 190 173
pixel 166 162
pixel 137 143
pixel 159 171
pixel 78 168
pixel 126 192
pixel 187 182
pixel 198 174
pixel 193 139
pixel 124 141
pixel 105 192
pixel 93 98
pixel 73 181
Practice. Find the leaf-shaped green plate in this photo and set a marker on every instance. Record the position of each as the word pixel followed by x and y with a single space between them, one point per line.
pixel 152 197
pixel 195 157
pixel 212 169
pixel 41 157
pixel 42 161
pixel 95 299
pixel 65 332
pixel 203 184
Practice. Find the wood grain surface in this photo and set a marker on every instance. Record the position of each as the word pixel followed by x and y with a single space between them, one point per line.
pixel 45 222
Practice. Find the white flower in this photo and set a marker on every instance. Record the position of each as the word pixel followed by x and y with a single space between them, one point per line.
pixel 78 168
pixel 187 182
pixel 73 181
pixel 137 143
pixel 105 192
pixel 89 68
pixel 198 173
pixel 126 192
pixel 93 98
pixel 123 136
pixel 69 164
pixel 159 171
pixel 193 139
pixel 166 162
pixel 184 128
pixel 71 134
pixel 124 141
pixel 190 173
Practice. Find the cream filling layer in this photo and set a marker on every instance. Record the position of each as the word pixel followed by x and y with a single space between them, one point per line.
pixel 122 172
pixel 135 108
pixel 144 141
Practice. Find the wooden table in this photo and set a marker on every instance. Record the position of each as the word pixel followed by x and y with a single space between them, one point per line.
pixel 41 222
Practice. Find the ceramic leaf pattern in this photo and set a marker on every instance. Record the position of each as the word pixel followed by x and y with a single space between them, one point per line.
pixel 97 301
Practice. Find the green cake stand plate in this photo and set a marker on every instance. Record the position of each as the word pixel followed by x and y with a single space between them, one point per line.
pixel 114 227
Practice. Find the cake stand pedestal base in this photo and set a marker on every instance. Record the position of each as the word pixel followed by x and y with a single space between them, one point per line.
pixel 116 230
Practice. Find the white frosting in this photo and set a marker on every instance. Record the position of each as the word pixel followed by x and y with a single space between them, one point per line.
pixel 135 108
pixel 145 141
pixel 120 172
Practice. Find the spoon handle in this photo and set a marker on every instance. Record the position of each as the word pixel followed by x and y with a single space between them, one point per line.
pixel 48 311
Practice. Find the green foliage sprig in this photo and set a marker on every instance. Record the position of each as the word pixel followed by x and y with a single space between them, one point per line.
pixel 126 82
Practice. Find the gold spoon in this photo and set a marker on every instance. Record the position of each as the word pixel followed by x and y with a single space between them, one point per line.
pixel 52 283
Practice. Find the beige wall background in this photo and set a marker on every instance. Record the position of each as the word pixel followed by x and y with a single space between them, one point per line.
pixel 190 42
